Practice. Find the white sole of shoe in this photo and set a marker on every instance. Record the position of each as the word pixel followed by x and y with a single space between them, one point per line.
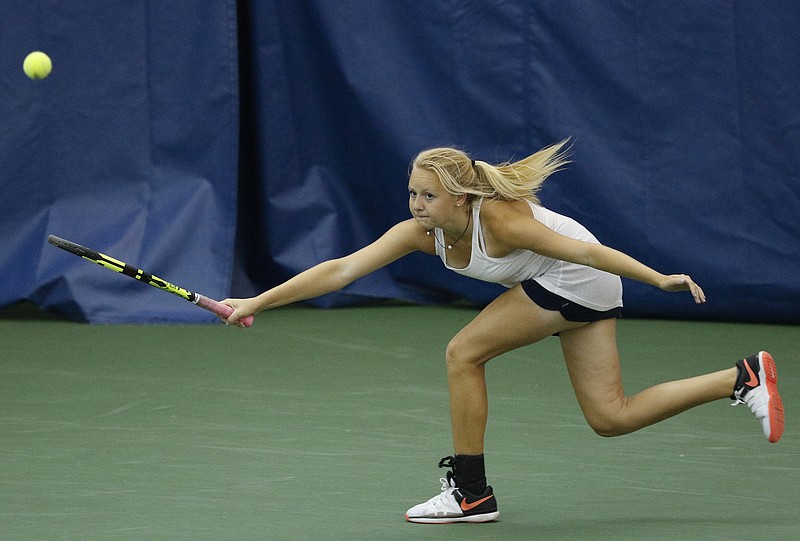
pixel 484 517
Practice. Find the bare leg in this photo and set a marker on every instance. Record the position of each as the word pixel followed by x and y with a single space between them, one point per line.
pixel 592 359
pixel 590 351
pixel 510 322
pixel 593 364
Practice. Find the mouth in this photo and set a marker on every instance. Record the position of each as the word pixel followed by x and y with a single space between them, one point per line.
pixel 423 221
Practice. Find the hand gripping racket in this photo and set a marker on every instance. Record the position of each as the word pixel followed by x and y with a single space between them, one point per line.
pixel 222 310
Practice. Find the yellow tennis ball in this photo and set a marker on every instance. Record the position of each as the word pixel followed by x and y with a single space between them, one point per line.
pixel 37 65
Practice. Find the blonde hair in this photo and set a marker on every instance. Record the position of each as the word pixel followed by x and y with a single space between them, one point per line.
pixel 508 181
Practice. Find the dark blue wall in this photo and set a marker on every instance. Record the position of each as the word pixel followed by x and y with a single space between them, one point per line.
pixel 684 117
pixel 130 147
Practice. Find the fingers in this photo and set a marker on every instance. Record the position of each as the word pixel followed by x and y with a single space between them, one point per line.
pixel 235 316
pixel 235 319
pixel 697 292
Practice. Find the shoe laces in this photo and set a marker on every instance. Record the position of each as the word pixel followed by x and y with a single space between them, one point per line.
pixel 756 399
pixel 448 482
pixel 738 396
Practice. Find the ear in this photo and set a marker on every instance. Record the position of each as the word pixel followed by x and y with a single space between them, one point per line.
pixel 461 200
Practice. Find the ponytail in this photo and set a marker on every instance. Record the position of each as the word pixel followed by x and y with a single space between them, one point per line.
pixel 508 181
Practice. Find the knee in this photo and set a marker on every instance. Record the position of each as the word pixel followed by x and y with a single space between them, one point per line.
pixel 608 425
pixel 607 430
pixel 459 356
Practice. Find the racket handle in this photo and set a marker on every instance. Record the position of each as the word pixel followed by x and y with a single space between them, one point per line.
pixel 222 310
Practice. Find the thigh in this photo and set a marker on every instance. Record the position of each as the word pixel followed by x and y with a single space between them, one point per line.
pixel 511 321
pixel 592 361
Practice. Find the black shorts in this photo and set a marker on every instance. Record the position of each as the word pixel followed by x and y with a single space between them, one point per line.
pixel 570 310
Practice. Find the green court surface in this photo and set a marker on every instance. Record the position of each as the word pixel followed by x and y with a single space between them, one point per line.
pixel 328 424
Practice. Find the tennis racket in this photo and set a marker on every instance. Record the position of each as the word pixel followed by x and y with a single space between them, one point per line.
pixel 222 310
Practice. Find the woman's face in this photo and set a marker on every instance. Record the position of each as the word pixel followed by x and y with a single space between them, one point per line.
pixel 429 203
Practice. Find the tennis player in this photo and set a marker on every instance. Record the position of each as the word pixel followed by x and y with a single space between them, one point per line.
pixel 486 222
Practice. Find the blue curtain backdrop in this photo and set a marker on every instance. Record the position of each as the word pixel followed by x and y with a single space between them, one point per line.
pixel 129 147
pixel 684 119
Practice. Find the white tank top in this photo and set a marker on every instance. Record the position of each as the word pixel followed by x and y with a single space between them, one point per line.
pixel 584 285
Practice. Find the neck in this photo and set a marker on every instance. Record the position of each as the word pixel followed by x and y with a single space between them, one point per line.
pixel 459 236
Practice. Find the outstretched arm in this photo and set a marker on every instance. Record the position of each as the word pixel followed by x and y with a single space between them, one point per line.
pixel 334 274
pixel 613 261
pixel 517 230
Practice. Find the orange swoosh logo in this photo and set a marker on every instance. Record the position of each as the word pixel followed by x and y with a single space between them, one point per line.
pixel 753 382
pixel 465 506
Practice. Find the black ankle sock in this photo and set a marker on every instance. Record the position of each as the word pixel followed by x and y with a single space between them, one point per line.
pixel 470 473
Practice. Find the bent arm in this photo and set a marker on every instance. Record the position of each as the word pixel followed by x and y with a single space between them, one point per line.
pixel 530 234
pixel 334 274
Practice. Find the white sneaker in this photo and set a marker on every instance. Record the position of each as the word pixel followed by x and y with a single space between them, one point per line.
pixel 759 390
pixel 455 505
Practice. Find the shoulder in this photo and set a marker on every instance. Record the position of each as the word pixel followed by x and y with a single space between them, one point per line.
pixel 410 236
pixel 501 217
pixel 510 225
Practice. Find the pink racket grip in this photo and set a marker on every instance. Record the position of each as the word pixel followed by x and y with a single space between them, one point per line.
pixel 222 310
